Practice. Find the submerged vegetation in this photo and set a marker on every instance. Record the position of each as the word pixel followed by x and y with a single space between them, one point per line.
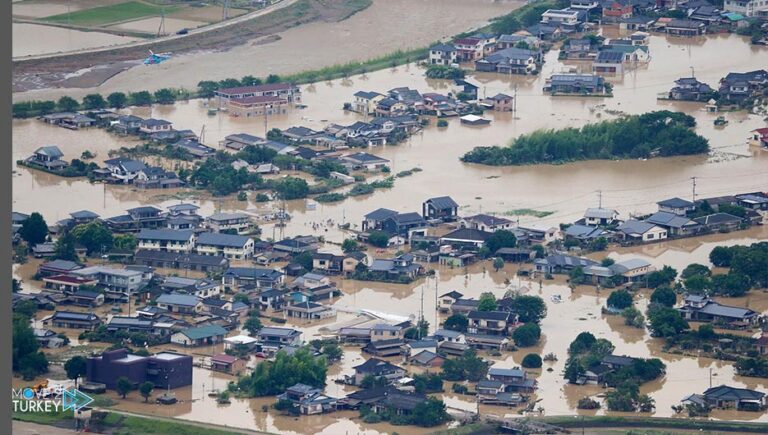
pixel 660 133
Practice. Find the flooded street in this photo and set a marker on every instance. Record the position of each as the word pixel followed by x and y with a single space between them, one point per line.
pixel 631 187
pixel 26 39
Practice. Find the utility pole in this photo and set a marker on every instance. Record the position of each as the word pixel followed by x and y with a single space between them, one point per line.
pixel 693 179
pixel 421 314
pixel 514 101
pixel 599 199
pixel 710 377
pixel 693 74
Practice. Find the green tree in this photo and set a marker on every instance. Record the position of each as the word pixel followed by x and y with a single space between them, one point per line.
pixel 633 317
pixel 371 381
pixel 665 276
pixel 666 322
pixel 706 332
pixel 273 78
pixel 530 309
pixel 332 351
pixel 350 245
pixel 26 308
pixel 573 370
pixel 698 284
pixel 531 361
pixel 229 83
pixel 125 241
pixel 145 389
pixel 456 322
pixel 123 386
pixel 428 383
pixel 607 261
pixel 582 343
pixel 94 101
pixel 721 256
pixel 664 296
pixel 67 104
pixel 576 276
pixel 207 88
pixel 26 356
pixel 65 248
pixel 94 236
pixel 291 188
pixel 620 299
pixel 498 263
pixel 304 259
pixel 117 100
pixel 695 269
pixel 76 367
pixel 731 284
pixel 165 96
pixel 487 302
pixel 429 413
pixel 34 230
pixel 467 367
pixel 527 335
pixel 419 331
pixel 250 80
pixel 500 239
pixel 273 377
pixel 141 98
pixel 253 325
pixel 379 239
pixel 506 24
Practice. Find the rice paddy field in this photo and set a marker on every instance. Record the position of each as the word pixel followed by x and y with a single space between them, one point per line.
pixel 105 15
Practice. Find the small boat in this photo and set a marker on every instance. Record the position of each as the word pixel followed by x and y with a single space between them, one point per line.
pixel 721 121
pixel 212 112
pixel 557 299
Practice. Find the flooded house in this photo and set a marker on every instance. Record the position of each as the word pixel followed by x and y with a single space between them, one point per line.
pixel 377 368
pixel 569 20
pixel 639 231
pixel 48 157
pixel 73 320
pixel 70 120
pixel 179 303
pixel 608 62
pixel 400 268
pixel 166 240
pixel 443 54
pixel 740 399
pixel 441 208
pixel 509 61
pixel 199 336
pixel 229 246
pixel 181 261
pixel 685 27
pixel 152 126
pixel 309 400
pixel 676 225
pixel 220 222
pixel 137 218
pixel 285 91
pixel 272 339
pixel 365 161
pixel 114 279
pixel 575 84
pixel 466 238
pixel 747 8
pixel 249 107
pixel 736 87
pixel 690 89
pixel 236 277
pixel 561 263
pixel 701 308
pixel 194 148
pixel 224 363
pixel 124 170
pixel 514 380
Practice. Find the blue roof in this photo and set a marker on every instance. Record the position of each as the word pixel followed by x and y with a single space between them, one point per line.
pixel 171 235
pixel 178 299
pixel 220 239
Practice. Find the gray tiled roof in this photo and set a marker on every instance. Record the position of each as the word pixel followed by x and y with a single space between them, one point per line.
pixel 220 239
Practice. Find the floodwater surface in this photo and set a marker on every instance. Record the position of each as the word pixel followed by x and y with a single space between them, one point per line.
pixel 27 40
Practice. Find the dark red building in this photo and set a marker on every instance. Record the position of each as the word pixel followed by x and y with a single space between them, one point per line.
pixel 162 369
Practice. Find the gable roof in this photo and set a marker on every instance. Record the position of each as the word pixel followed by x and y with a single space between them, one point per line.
pixel 468 234
pixel 178 299
pixel 442 202
pixel 725 392
pixel 170 235
pixel 635 227
pixel 675 203
pixel 50 151
pixel 221 239
pixel 380 214
pixel 376 366
pixel 204 332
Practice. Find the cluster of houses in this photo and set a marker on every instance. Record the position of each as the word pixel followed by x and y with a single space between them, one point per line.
pixel 676 217
pixel 492 53
pixel 734 88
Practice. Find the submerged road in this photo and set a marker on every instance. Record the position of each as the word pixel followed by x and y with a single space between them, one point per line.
pixel 149 42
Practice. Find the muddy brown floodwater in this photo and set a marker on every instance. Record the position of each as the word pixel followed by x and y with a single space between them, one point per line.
pixel 27 40
pixel 629 186
pixel 366 34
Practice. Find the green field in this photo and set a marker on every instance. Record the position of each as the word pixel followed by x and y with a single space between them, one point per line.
pixel 127 11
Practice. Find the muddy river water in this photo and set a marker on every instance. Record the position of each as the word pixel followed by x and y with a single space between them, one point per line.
pixel 628 186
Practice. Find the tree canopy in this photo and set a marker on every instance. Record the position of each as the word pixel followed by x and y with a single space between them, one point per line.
pixel 662 133
pixel 34 230
pixel 273 377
